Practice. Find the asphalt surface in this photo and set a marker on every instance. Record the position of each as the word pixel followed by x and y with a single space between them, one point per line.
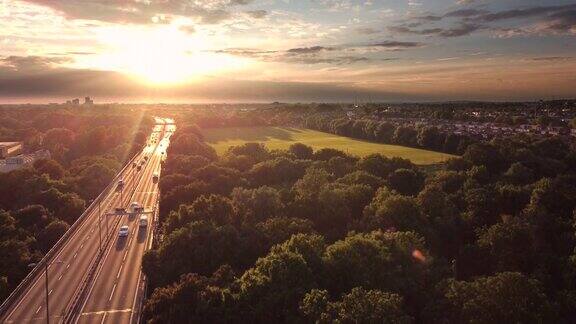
pixel 119 277
pixel 112 297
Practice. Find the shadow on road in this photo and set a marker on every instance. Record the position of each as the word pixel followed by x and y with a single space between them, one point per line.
pixel 121 243
pixel 142 234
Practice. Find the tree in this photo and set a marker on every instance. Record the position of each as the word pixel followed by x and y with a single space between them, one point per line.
pixel 358 306
pixel 93 180
pixel 301 151
pixel 272 290
pixel 405 181
pixel 310 185
pixel 510 245
pixel 256 205
pixel 508 297
pixel 49 167
pixel 280 229
pixel 486 155
pixel 193 299
pixel 51 234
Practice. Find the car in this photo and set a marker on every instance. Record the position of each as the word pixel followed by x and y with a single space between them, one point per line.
pixel 120 210
pixel 155 177
pixel 120 184
pixel 134 164
pixel 143 222
pixel 138 168
pixel 123 232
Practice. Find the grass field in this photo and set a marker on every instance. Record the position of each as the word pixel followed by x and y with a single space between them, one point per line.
pixel 281 138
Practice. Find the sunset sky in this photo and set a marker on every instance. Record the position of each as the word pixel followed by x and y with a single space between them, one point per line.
pixel 287 50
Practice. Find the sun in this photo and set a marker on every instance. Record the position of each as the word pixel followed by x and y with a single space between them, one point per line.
pixel 161 56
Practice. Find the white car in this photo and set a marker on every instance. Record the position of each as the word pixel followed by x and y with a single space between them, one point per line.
pixel 123 232
pixel 143 221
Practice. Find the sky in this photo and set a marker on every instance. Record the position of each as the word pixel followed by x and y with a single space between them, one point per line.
pixel 287 50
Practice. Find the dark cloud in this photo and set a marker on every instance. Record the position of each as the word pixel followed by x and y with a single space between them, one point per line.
pixel 396 44
pixel 338 60
pixel 142 12
pixel 25 64
pixel 367 31
pixel 553 58
pixel 309 50
pixel 524 13
pixel 465 13
pixel 550 19
pixel 257 14
pixel 456 31
pixel 561 22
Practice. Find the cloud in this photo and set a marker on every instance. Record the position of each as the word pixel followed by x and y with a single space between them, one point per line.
pixel 57 82
pixel 257 14
pixel 397 45
pixel 188 29
pixel 367 31
pixel 26 64
pixel 309 50
pixel 550 20
pixel 143 12
pixel 457 31
pixel 553 58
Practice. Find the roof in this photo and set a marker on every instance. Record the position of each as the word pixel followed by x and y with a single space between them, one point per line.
pixel 10 144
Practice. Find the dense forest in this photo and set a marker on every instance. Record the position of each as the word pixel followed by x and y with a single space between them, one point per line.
pixel 257 236
pixel 39 203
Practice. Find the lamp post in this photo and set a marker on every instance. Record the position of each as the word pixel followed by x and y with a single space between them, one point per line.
pixel 46 265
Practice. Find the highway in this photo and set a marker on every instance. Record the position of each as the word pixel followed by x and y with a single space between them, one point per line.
pixel 68 268
pixel 113 295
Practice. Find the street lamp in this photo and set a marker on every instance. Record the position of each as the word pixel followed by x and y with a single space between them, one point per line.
pixel 46 265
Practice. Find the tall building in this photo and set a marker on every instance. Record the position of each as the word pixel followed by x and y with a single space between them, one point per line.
pixel 88 101
pixel 76 102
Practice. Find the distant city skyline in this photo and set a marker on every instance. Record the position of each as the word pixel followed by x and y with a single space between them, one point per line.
pixel 287 50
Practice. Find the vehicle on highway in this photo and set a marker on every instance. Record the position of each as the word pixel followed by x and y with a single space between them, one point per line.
pixel 135 207
pixel 146 157
pixel 155 177
pixel 120 184
pixel 120 210
pixel 134 164
pixel 143 222
pixel 123 232
pixel 138 168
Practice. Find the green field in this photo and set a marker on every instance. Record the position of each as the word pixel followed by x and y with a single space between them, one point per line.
pixel 282 137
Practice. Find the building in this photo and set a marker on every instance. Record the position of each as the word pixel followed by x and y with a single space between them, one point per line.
pixel 88 101
pixel 8 149
pixel 22 160
pixel 76 102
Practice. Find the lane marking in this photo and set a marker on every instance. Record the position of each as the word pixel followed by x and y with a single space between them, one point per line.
pixel 103 318
pixel 68 266
pixel 119 270
pixel 50 292
pixel 112 293
pixel 38 309
pixel 60 277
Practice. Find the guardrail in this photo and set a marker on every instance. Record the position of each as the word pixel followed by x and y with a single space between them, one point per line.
pixel 25 283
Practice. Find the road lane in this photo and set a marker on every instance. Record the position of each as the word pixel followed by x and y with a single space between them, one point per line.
pixel 111 298
pixel 77 254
